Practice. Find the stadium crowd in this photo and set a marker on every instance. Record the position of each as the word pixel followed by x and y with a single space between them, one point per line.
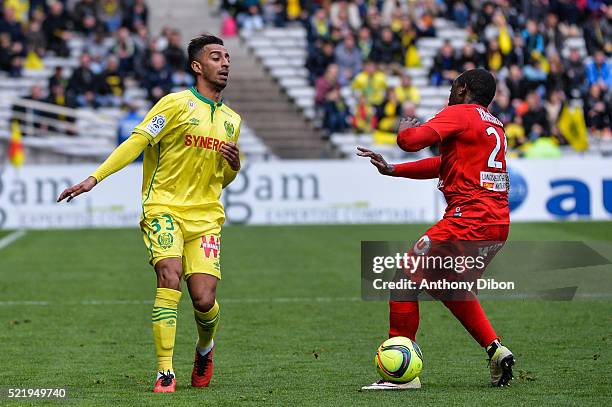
pixel 362 43
pixel 116 46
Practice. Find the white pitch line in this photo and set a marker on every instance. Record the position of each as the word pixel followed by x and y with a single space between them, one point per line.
pixel 11 237
pixel 149 302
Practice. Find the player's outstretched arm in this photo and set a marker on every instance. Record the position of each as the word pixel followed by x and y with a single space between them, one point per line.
pixel 127 152
pixel 377 160
pixel 427 168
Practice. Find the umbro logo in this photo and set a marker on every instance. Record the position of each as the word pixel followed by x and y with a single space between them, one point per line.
pixel 193 121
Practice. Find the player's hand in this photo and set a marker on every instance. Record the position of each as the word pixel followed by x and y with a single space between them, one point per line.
pixel 230 152
pixel 377 160
pixel 408 123
pixel 78 189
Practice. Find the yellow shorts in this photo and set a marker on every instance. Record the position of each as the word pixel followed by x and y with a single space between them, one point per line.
pixel 198 243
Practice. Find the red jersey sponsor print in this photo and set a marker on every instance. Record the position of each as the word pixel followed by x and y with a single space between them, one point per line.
pixel 473 174
pixel 211 245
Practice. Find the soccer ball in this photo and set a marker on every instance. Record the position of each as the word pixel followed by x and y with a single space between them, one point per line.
pixel 399 360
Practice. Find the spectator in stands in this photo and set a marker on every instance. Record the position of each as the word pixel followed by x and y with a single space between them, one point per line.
pixel 502 108
pixel 127 123
pixel 389 112
pixel 157 80
pixel 534 41
pixel 425 25
pixel 575 75
pixel 445 66
pixel 517 55
pixel 469 57
pixel 137 15
pixel 597 33
pixel 110 15
pixel 318 26
pixel 57 96
pixel 20 112
pixel 598 111
pixel 371 83
pixel 10 56
pixel 460 13
pixel 534 119
pixel 57 27
pixel 387 50
pixel 325 83
pixel 9 24
pixel 599 71
pixel 553 106
pixel 364 43
pixel 174 53
pixel 98 48
pixel 58 78
pixel 335 112
pixel 110 84
pixel 556 75
pixel 345 14
pixel 85 15
pixel 516 84
pixel 82 83
pixel 494 57
pixel 317 62
pixel 125 50
pixel 553 35
pixel 348 58
pixel 406 91
pixel 252 18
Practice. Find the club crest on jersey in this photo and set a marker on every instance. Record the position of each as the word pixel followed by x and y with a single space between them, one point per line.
pixel 165 240
pixel 211 245
pixel 229 129
pixel 156 124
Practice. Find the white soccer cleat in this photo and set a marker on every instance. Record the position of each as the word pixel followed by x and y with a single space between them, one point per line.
pixel 500 365
pixel 385 385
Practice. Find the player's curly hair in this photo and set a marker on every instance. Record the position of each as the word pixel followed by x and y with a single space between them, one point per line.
pixel 197 44
pixel 480 84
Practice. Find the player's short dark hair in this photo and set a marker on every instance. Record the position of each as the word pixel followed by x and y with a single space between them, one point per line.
pixel 197 44
pixel 481 85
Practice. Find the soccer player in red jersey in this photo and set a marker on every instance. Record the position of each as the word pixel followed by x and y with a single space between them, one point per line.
pixel 472 175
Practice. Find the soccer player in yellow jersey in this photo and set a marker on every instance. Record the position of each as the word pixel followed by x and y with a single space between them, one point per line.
pixel 190 154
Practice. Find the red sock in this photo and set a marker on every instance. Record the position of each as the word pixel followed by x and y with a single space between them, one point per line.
pixel 403 319
pixel 473 318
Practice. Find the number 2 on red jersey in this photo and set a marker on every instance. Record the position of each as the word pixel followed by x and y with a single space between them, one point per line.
pixel 492 162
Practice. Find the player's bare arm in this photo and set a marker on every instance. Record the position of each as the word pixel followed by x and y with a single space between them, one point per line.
pixel 377 160
pixel 84 186
pixel 230 152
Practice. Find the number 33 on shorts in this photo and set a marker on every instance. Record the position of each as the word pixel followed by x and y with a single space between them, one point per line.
pixel 162 236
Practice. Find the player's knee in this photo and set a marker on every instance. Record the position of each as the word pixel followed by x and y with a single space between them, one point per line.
pixel 168 276
pixel 204 301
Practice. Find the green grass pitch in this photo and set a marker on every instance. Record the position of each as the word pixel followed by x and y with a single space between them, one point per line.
pixel 293 330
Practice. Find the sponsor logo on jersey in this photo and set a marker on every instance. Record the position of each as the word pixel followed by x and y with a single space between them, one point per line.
pixel 209 143
pixel 488 117
pixel 229 129
pixel 211 245
pixel 494 181
pixel 156 125
pixel 165 240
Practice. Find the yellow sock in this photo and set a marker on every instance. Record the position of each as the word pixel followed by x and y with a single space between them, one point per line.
pixel 207 323
pixel 164 326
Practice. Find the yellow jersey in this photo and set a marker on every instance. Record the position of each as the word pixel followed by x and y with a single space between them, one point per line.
pixel 183 169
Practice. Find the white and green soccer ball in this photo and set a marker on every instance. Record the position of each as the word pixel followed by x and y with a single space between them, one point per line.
pixel 399 360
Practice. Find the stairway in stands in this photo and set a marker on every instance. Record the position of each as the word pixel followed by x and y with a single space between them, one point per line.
pixel 268 110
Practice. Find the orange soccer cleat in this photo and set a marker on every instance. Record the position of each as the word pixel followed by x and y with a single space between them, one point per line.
pixel 202 369
pixel 165 383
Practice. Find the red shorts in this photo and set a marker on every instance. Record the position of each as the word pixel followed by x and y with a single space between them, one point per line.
pixel 448 245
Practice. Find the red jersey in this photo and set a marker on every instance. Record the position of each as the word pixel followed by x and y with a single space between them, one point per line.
pixel 473 173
